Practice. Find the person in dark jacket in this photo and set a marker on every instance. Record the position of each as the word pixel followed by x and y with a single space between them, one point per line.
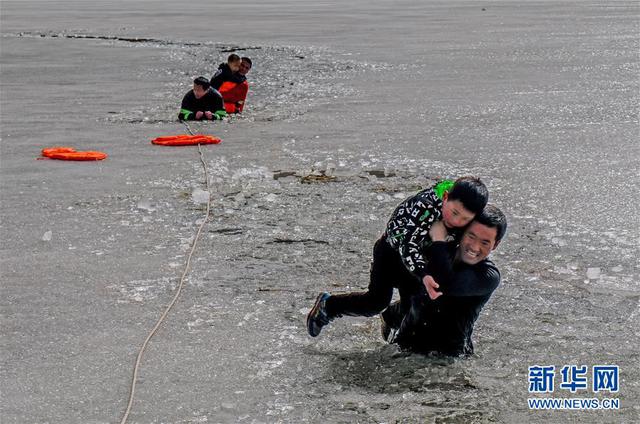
pixel 202 103
pixel 398 256
pixel 228 72
pixel 443 321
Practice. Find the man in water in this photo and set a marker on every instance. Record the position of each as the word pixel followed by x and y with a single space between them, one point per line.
pixel 202 103
pixel 234 88
pixel 245 67
pixel 443 322
pixel 398 256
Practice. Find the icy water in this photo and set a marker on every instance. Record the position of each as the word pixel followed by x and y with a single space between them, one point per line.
pixel 351 109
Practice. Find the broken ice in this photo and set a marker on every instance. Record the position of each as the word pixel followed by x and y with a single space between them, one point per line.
pixel 145 205
pixel 200 196
pixel 593 273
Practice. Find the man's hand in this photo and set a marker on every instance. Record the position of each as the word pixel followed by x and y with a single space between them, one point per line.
pixel 431 286
pixel 208 114
pixel 438 231
pixel 199 114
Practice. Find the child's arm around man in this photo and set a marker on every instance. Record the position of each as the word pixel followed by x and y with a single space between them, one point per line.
pixel 398 256
pixel 454 204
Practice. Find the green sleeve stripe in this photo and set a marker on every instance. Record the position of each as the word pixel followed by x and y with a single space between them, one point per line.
pixel 185 113
pixel 442 187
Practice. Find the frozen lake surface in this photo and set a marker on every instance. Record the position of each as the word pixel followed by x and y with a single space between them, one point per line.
pixel 541 99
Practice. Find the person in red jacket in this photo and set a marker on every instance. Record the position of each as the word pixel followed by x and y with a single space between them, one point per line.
pixel 235 88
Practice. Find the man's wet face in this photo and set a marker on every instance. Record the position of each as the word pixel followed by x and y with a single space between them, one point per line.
pixel 199 91
pixel 477 242
pixel 244 68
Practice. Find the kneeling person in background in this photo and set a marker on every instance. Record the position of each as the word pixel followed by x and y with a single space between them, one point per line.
pixel 202 103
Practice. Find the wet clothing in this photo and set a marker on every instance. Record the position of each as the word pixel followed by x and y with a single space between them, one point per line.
pixel 398 260
pixel 224 73
pixel 211 101
pixel 408 229
pixel 445 325
pixel 234 95
pixel 387 272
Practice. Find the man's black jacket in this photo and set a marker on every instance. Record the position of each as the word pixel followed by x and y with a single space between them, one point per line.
pixel 445 325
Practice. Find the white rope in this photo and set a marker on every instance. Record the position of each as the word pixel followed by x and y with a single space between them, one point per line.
pixel 175 297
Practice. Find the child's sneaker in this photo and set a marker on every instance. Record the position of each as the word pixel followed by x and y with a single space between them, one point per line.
pixel 318 316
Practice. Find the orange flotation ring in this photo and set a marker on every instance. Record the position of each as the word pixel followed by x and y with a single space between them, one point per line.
pixel 185 140
pixel 88 155
pixel 69 153
pixel 51 150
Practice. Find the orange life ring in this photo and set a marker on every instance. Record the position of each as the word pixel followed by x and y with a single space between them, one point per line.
pixel 51 150
pixel 89 155
pixel 185 140
pixel 69 153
